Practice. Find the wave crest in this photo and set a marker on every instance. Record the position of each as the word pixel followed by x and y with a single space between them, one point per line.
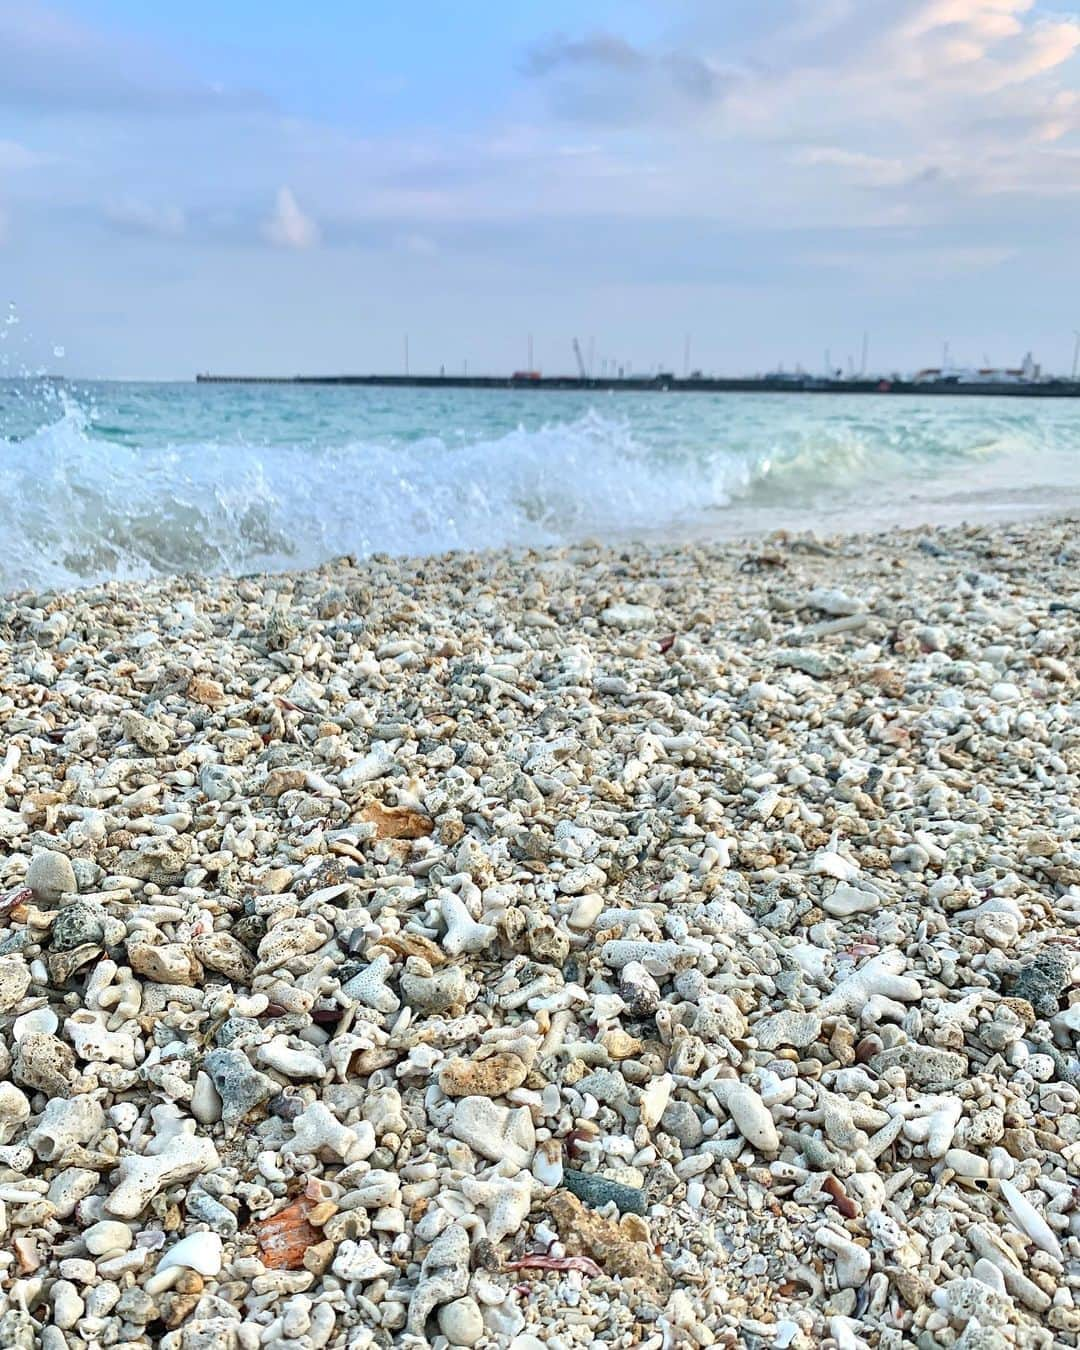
pixel 83 509
pixel 88 499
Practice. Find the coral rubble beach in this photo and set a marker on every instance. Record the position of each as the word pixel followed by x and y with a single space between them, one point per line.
pixel 662 946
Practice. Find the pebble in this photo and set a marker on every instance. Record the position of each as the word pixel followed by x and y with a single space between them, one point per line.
pixel 50 876
pixel 108 1235
pixel 461 1322
pixel 597 1191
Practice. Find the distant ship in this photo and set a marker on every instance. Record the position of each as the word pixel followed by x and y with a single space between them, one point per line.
pixel 1028 372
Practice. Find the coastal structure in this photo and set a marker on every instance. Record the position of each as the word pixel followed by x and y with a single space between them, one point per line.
pixel 1025 381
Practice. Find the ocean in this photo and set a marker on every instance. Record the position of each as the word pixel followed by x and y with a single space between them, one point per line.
pixel 112 480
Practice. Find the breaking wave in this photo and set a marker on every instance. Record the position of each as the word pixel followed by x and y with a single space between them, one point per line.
pixel 84 503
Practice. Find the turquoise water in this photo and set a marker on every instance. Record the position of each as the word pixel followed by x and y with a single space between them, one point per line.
pixel 131 480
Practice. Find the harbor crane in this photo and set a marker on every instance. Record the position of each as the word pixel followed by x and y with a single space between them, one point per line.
pixel 582 373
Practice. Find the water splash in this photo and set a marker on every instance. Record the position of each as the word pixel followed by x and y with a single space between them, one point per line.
pixel 166 479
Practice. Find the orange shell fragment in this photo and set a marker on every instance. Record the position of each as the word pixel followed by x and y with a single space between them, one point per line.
pixel 397 822
pixel 285 1236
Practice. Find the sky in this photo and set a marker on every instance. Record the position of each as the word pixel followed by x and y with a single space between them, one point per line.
pixel 254 188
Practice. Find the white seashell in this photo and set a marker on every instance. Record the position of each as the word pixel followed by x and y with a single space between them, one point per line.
pixel 654 1100
pixel 547 1167
pixel 205 1101
pixel 828 863
pixel 1030 1220
pixel 966 1164
pixel 198 1251
pixel 37 1022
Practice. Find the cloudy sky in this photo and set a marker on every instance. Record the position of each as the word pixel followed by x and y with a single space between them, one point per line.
pixel 244 186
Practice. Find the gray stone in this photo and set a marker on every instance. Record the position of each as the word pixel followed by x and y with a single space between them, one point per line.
pixel 50 875
pixel 680 1120
pixel 597 1191
pixel 925 1065
pixel 76 924
pixel 240 1087
pixel 798 1029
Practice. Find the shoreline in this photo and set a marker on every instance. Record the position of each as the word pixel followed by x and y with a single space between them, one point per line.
pixel 835 526
pixel 456 904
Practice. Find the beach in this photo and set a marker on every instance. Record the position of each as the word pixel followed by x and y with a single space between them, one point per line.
pixel 661 945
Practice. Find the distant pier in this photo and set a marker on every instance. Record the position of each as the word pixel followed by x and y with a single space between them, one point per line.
pixel 673 384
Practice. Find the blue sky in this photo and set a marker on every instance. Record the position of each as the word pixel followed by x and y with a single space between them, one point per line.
pixel 248 187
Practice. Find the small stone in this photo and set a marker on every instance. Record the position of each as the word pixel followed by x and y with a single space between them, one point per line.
pixel 798 1029
pixel 50 876
pixel 221 952
pixel 1042 983
pixel 241 1087
pixel 751 1115
pixel 491 1077
pixel 397 822
pixel 461 1322
pixel 495 1131
pixel 109 1235
pixel 925 1066
pixel 76 924
pixel 597 1191
pixel 585 911
pixel 680 1120
pixel 169 963
pixel 616 1250
pixel 284 1237
pixel 147 735
pixel 628 617
pixel 46 1064
pixel 68 1307
pixel 14 981
pixel 359 1261
pixel 846 899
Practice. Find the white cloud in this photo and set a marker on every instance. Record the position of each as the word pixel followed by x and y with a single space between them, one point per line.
pixel 52 63
pixel 287 226
pixel 139 217
pixel 419 245
pixel 873 170
pixel 886 79
pixel 914 261
pixel 15 156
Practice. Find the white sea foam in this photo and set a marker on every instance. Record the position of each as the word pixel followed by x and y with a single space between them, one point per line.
pixel 86 500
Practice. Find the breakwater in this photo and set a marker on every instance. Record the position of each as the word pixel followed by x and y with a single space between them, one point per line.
pixel 674 384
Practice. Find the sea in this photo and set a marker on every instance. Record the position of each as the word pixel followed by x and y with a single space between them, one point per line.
pixel 104 481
